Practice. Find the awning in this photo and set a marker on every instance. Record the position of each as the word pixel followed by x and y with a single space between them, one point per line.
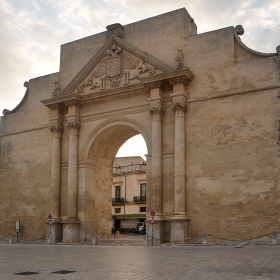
pixel 129 216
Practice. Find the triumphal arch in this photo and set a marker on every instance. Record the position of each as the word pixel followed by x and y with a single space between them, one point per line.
pixel 205 104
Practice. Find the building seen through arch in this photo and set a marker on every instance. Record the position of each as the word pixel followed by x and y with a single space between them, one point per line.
pixel 206 105
pixel 129 192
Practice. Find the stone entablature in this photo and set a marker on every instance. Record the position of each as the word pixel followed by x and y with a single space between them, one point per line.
pixel 205 104
pixel 180 76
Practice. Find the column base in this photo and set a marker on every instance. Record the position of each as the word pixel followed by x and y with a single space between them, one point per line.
pixel 54 231
pixel 71 230
pixel 155 230
pixel 179 228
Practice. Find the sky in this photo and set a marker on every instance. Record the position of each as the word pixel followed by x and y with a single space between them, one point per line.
pixel 33 30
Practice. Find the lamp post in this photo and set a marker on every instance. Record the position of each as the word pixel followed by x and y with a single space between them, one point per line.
pixel 124 191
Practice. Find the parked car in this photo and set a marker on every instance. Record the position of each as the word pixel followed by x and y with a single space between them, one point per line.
pixel 140 228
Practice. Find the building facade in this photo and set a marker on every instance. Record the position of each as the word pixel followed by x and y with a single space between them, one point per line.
pixel 129 191
pixel 206 105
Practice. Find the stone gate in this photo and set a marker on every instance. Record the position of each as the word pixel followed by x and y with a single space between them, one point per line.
pixel 205 104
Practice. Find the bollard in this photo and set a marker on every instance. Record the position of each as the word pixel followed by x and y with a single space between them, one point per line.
pixel 117 234
pixel 94 240
pixel 274 238
pixel 205 239
pixel 49 239
pixel 145 240
pixel 11 240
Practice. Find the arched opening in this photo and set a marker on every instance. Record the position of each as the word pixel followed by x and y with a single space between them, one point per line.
pixel 95 210
pixel 129 187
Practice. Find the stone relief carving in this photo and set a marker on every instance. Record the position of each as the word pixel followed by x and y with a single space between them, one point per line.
pixel 115 29
pixel 117 67
pixel 142 68
pixel 56 91
pixel 179 59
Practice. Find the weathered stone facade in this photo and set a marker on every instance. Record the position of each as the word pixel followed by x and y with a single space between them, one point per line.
pixel 206 105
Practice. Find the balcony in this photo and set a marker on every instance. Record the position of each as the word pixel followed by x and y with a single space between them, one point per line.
pixel 139 199
pixel 118 200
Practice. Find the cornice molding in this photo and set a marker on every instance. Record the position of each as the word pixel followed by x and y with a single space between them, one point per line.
pixel 83 73
pixel 74 102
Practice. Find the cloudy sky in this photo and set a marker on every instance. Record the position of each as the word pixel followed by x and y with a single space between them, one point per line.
pixel 33 30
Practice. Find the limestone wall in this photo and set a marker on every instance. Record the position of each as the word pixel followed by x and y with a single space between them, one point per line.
pixel 233 166
pixel 232 150
pixel 160 36
pixel 25 163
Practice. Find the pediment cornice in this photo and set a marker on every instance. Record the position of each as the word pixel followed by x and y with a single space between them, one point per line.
pixel 96 59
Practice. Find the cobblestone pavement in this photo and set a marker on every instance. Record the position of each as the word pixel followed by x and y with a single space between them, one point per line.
pixel 105 261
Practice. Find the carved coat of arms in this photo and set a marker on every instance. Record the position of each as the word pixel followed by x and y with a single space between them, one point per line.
pixel 113 64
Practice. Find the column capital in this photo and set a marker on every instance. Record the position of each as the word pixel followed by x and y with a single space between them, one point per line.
pixel 73 127
pixel 56 129
pixel 157 112
pixel 179 106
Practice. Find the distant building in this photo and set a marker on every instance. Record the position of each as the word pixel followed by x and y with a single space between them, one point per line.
pixel 129 191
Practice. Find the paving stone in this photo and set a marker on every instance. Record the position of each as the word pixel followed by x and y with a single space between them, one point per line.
pixel 109 261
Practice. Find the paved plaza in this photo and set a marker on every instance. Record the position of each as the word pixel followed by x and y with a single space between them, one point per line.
pixel 128 259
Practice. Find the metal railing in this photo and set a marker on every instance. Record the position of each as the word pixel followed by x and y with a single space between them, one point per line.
pixel 117 200
pixel 139 199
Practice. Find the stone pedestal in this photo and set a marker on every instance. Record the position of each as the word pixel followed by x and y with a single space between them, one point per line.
pixel 71 231
pixel 157 231
pixel 56 232
pixel 179 229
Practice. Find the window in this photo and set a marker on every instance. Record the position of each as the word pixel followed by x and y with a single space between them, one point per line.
pixel 142 209
pixel 143 192
pixel 118 192
pixel 117 210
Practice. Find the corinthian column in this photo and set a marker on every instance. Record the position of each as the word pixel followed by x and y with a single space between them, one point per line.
pixel 156 112
pixel 179 99
pixel 55 170
pixel 179 220
pixel 179 153
pixel 72 169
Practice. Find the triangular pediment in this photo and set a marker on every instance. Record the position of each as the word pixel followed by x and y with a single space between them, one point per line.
pixel 116 64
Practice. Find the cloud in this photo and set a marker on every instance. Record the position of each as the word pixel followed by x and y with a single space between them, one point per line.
pixel 32 31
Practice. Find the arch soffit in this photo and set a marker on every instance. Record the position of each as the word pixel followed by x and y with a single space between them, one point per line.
pixel 110 123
